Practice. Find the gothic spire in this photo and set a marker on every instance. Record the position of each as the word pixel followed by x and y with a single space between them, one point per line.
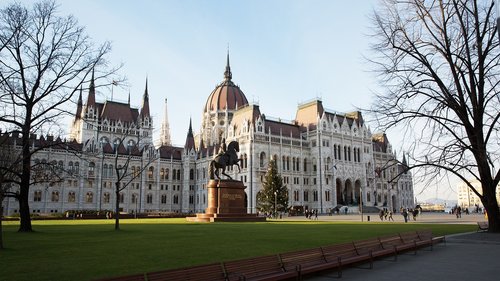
pixel 79 105
pixel 91 97
pixel 227 74
pixel 165 128
pixel 145 102
pixel 190 138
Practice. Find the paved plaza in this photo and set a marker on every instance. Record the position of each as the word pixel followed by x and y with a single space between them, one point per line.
pixel 468 256
pixel 426 217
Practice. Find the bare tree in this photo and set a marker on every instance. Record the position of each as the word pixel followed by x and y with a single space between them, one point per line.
pixel 130 162
pixel 44 59
pixel 439 65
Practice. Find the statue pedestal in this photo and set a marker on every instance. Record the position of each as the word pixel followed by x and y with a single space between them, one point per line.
pixel 226 202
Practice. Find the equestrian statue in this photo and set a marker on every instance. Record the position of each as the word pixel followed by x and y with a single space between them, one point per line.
pixel 225 157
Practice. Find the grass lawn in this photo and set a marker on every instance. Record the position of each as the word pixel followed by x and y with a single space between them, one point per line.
pixel 89 249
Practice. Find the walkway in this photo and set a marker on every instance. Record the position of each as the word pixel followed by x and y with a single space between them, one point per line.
pixel 468 256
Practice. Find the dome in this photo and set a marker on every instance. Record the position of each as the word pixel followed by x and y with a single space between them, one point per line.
pixel 226 95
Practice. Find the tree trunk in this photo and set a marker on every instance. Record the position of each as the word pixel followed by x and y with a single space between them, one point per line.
pixel 117 207
pixel 491 205
pixel 1 219
pixel 24 208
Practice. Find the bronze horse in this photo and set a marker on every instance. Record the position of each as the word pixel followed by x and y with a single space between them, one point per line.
pixel 222 160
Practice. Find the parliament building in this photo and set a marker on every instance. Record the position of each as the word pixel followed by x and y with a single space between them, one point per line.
pixel 327 159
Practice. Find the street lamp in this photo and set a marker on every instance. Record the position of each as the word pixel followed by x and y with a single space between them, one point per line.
pixel 275 203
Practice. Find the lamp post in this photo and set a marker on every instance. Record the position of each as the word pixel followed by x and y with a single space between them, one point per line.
pixel 275 204
pixel 135 199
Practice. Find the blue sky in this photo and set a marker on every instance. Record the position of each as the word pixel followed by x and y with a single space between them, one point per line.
pixel 282 53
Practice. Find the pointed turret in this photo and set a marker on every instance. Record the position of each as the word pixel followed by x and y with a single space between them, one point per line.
pixel 190 138
pixel 227 74
pixel 145 103
pixel 91 97
pixel 165 128
pixel 79 105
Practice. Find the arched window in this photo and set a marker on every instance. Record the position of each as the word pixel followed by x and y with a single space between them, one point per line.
pixel 105 170
pixel 106 198
pixel 164 199
pixel 122 197
pixel 162 173
pixel 71 197
pixel 191 174
pixel 55 196
pixel 149 198
pixel 283 163
pixel 91 168
pixel 305 165
pixel 288 163
pixel 262 157
pixel 178 174
pixel 166 173
pixel 174 174
pixel 77 168
pixel 89 197
pixel 151 172
pixel 37 196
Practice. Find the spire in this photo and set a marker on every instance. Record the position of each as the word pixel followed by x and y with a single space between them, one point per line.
pixel 79 105
pixel 227 74
pixel 91 97
pixel 189 139
pixel 145 102
pixel 165 128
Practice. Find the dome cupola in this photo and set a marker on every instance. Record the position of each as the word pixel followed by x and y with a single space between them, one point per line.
pixel 226 95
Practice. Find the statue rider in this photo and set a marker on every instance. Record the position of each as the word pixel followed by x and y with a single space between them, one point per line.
pixel 222 149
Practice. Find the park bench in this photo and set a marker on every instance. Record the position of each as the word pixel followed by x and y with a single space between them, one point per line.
pixel 374 248
pixel 426 235
pixel 482 226
pixel 212 272
pixel 395 242
pixel 258 268
pixel 307 261
pixel 345 254
pixel 413 238
pixel 296 264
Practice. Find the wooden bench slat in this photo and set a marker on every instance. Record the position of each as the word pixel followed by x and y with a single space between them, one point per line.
pixel 307 261
pixel 212 272
pixel 258 268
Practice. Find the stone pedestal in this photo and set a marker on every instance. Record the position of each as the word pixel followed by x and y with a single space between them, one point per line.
pixel 226 202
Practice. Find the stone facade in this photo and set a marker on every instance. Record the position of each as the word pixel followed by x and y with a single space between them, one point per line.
pixel 326 158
